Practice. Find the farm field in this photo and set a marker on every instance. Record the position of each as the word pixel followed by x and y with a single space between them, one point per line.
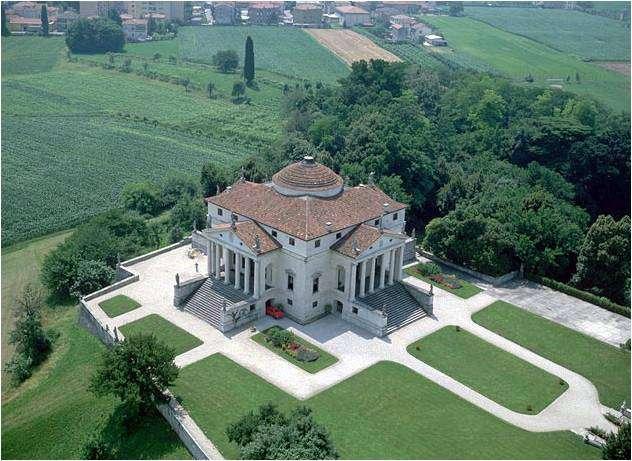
pixel 65 126
pixel 29 54
pixel 350 46
pixel 516 56
pixel 584 35
pixel 285 51
pixel 420 420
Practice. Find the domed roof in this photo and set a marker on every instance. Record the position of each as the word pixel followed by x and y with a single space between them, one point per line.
pixel 307 177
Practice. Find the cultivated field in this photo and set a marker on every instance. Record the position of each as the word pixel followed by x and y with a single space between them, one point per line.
pixel 286 51
pixel 570 31
pixel 472 41
pixel 351 46
pixel 74 135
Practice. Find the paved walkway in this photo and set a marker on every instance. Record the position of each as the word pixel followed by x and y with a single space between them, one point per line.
pixel 577 408
pixel 566 310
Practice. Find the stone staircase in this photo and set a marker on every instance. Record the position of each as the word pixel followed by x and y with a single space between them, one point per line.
pixel 401 308
pixel 207 301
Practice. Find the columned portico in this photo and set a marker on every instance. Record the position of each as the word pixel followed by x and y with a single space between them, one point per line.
pixel 372 275
pixel 226 258
pixel 362 278
pixel 391 265
pixel 382 270
pixel 352 281
pixel 247 276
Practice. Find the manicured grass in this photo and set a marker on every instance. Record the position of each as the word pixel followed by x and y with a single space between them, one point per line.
pixel 164 330
pixel 118 305
pixel 476 43
pixel 607 367
pixel 499 375
pixel 320 363
pixel 52 414
pixel 284 50
pixel 384 412
pixel 571 31
pixel 467 289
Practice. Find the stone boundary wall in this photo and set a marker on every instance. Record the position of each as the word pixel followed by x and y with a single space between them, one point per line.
pixel 188 431
pixel 484 277
pixel 157 252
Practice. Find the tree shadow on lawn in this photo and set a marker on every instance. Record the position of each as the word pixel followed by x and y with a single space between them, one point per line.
pixel 151 438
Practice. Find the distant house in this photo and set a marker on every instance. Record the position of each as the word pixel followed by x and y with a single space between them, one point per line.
pixel 402 20
pixel 351 16
pixel 29 10
pixel 399 33
pixel 410 7
pixel 65 19
pixel 434 40
pixel 307 15
pixel 135 29
pixel 384 13
pixel 264 13
pixel 24 25
pixel 225 14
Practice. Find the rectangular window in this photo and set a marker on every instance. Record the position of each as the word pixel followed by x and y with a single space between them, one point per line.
pixel 315 304
pixel 377 222
pixel 338 235
pixel 289 302
pixel 290 282
pixel 394 216
pixel 354 310
pixel 315 285
pixel 252 307
pixel 274 233
pixel 317 243
pixel 291 241
pixel 220 212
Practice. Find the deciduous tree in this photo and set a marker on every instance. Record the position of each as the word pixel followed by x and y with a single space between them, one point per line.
pixel 226 60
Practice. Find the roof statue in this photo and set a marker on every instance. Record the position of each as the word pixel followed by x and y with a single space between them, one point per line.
pixel 257 245
pixel 372 178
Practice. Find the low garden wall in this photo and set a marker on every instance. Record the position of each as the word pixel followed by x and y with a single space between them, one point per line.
pixel 479 275
pixel 94 326
pixel 370 319
pixel 157 252
pixel 186 288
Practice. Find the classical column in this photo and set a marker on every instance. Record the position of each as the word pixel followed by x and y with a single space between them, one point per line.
pixel 398 263
pixel 372 275
pixel 391 266
pixel 352 281
pixel 362 278
pixel 256 287
pixel 226 265
pixel 209 258
pixel 237 270
pixel 247 276
pixel 218 250
pixel 382 269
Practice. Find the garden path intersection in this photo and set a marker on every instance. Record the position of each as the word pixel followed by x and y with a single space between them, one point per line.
pixel 575 409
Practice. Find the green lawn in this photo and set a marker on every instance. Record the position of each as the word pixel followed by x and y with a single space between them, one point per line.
pixel 320 363
pixel 499 375
pixel 164 330
pixel 384 412
pixel 467 289
pixel 477 44
pixel 582 34
pixel 30 54
pixel 284 50
pixel 118 305
pixel 52 414
pixel 607 367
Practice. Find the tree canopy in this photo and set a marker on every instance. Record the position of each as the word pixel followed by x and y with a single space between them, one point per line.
pixel 96 35
pixel 226 60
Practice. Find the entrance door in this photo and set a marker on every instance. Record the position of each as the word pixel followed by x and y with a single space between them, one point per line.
pixel 339 306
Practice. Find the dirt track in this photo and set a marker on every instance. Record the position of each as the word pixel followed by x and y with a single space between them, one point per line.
pixel 620 67
pixel 350 46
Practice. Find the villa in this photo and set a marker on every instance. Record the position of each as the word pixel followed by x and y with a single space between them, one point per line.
pixel 309 244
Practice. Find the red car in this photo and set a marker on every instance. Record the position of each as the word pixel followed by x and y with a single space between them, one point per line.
pixel 274 312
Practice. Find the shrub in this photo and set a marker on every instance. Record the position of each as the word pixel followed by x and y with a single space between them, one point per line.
pixel 97 35
pixel 19 367
pixel 226 60
pixel 583 295
pixel 428 269
pixel 612 418
pixel 279 337
pixel 599 432
pixel 304 354
pixel 91 276
pixel 97 447
pixel 618 445
pixel 143 197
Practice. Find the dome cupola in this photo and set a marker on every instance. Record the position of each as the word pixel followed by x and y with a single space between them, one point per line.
pixel 307 177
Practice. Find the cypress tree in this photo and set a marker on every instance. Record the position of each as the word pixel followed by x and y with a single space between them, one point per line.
pixel 44 18
pixel 5 27
pixel 249 61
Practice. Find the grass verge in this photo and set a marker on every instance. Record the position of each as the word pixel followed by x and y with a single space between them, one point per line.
pixel 164 330
pixel 495 373
pixel 117 305
pixel 606 366
pixel 465 291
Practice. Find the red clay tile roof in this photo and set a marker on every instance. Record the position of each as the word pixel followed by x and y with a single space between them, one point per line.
pixel 360 239
pixel 247 232
pixel 305 217
pixel 351 10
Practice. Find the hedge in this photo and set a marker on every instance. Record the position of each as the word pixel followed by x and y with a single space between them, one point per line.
pixel 583 295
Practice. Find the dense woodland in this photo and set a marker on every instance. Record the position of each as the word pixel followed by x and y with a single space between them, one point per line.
pixel 498 175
